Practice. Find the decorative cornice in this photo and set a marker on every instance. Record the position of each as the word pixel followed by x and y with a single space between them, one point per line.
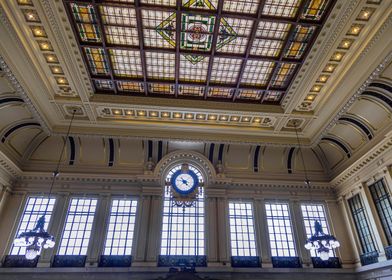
pixel 334 33
pixel 369 158
pixel 11 77
pixel 374 75
pixel 10 169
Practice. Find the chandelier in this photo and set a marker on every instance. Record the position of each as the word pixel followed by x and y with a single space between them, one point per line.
pixel 322 243
pixel 38 238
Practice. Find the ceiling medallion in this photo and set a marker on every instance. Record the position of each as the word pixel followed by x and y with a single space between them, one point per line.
pixel 196 30
pixel 184 187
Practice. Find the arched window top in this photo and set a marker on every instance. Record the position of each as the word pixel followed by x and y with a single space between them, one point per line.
pixel 178 167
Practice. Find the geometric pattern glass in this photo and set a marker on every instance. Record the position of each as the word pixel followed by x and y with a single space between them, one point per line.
pixel 232 45
pixel 280 230
pixel 121 227
pixel 183 228
pixel 242 232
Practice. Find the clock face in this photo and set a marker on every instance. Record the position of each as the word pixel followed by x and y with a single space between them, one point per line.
pixel 184 183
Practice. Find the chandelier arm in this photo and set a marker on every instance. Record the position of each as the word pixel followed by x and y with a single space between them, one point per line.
pixel 307 181
pixel 56 172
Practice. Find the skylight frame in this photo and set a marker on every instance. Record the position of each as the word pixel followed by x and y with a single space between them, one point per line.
pixel 241 47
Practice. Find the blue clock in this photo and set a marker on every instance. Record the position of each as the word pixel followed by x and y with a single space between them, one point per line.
pixel 184 182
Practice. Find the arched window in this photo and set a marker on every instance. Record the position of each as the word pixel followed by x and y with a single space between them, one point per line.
pixel 183 227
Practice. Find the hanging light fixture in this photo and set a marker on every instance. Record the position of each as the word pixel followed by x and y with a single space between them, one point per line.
pixel 37 238
pixel 319 241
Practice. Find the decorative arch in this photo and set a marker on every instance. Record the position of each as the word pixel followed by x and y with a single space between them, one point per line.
pixel 184 156
pixel 15 127
pixel 358 124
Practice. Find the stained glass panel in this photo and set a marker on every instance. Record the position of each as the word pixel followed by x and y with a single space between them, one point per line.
pixel 193 72
pixel 191 91
pixel 159 2
pixel 281 8
pixel 130 87
pixel 282 78
pixel 272 96
pixel 250 94
pixel 225 70
pixel 126 63
pixel 257 72
pixel 161 88
pixel 315 9
pixel 300 41
pixel 241 6
pixel 264 47
pixel 273 30
pixel 159 28
pixel 97 61
pixel 122 49
pixel 103 84
pixel 220 92
pixel 200 4
pixel 160 65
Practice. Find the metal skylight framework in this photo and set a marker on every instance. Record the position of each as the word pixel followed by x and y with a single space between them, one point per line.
pixel 222 50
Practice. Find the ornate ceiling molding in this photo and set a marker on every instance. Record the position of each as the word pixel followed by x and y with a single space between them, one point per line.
pixel 21 92
pixel 375 74
pixel 355 170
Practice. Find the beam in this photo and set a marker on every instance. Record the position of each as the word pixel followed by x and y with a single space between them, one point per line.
pixel 248 48
pixel 141 44
pixel 213 46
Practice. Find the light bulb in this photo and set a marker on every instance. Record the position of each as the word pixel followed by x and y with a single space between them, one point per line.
pixel 323 242
pixel 337 244
pixel 308 246
pixel 31 254
pixel 324 255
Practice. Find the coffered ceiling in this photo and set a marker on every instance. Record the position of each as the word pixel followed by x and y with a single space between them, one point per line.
pixel 204 70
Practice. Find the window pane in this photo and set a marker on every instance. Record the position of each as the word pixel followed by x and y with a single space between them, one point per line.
pixel 241 229
pixel 183 228
pixel 121 227
pixel 34 209
pixel 78 225
pixel 280 230
pixel 362 225
pixel 310 214
pixel 382 201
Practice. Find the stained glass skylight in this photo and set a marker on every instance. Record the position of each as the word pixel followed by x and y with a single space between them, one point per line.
pixel 243 50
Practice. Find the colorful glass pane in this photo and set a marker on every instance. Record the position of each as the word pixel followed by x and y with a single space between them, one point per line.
pixel 282 78
pixel 250 94
pixel 97 61
pixel 272 96
pixel 161 88
pixel 130 86
pixel 315 9
pixel 300 41
pixel 220 92
pixel 191 91
pixel 103 84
